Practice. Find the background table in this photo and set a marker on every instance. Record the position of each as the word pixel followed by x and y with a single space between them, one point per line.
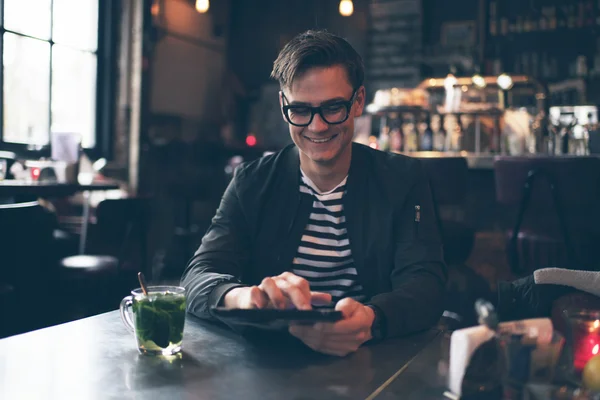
pixel 43 189
pixel 96 358
pixel 47 189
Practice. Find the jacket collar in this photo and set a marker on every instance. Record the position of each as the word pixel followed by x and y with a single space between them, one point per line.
pixel 291 163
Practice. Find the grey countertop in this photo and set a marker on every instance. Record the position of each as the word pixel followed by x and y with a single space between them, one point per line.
pixel 96 358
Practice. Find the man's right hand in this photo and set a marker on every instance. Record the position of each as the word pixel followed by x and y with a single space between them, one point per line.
pixel 283 291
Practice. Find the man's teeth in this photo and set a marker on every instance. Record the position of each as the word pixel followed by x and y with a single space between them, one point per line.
pixel 321 140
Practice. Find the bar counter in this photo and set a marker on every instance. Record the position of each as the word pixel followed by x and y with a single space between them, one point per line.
pixel 475 161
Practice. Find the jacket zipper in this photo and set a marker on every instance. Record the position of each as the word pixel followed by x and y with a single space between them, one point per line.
pixel 417 220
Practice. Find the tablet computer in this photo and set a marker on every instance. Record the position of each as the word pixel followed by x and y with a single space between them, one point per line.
pixel 274 318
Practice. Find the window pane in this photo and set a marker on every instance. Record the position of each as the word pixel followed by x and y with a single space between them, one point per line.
pixel 26 89
pixel 74 93
pixel 80 31
pixel 31 17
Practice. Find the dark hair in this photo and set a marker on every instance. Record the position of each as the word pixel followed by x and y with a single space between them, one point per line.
pixel 317 49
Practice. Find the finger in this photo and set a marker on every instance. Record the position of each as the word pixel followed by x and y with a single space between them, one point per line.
pixel 296 281
pixel 258 298
pixel 348 306
pixel 299 291
pixel 298 296
pixel 275 294
pixel 320 298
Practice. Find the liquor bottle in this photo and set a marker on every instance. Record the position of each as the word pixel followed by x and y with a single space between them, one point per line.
pixel 519 25
pixel 439 138
pixel 571 17
pixel 589 13
pixel 493 19
pixel 397 136
pixel 527 24
pixel 564 142
pixel 384 139
pixel 427 137
pixel 543 24
pixel 552 22
pixel 411 137
pixel 504 26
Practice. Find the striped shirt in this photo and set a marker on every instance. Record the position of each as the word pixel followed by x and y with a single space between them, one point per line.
pixel 324 257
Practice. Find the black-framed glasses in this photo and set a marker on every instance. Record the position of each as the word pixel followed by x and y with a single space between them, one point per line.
pixel 335 112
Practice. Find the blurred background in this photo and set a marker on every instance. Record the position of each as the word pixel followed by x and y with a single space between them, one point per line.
pixel 156 101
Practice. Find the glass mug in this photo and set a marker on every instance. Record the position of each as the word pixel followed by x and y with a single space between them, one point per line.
pixel 157 319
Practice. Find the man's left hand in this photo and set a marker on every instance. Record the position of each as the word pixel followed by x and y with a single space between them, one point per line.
pixel 340 338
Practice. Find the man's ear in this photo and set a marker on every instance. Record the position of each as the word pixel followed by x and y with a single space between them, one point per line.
pixel 281 104
pixel 361 95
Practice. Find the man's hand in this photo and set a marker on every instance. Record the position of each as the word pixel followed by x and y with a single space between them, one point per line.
pixel 340 338
pixel 283 291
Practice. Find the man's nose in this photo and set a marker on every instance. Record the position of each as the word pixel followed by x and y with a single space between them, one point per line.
pixel 318 124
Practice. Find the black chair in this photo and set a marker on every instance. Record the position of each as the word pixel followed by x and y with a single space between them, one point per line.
pixel 28 269
pixel 116 251
pixel 556 202
pixel 448 181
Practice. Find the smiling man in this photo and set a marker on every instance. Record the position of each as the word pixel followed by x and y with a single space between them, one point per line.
pixel 326 220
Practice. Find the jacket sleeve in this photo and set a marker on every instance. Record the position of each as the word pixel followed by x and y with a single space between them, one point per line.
pixel 217 265
pixel 419 275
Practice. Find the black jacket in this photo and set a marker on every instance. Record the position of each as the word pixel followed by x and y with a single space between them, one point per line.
pixel 260 221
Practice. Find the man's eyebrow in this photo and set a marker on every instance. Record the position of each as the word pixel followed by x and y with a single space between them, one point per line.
pixel 328 101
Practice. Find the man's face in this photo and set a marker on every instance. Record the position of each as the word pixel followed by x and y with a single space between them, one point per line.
pixel 328 87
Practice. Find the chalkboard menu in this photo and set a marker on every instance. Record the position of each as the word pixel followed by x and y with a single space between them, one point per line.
pixel 394 43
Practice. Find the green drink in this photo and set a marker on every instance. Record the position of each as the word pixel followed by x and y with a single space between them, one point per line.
pixel 158 319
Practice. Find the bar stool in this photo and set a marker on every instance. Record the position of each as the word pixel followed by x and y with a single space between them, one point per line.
pixel 556 201
pixel 101 276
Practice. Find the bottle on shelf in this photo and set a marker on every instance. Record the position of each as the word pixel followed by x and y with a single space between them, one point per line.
pixel 396 135
pixel 504 26
pixel 493 19
pixel 543 20
pixel 411 137
pixel 427 136
pixel 552 21
pixel 589 13
pixel 384 139
pixel 439 137
pixel 572 17
pixel 564 141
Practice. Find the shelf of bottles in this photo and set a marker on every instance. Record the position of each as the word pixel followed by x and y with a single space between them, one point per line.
pixel 551 40
pixel 412 129
pixel 457 116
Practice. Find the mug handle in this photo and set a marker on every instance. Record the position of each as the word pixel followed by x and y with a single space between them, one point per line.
pixel 125 314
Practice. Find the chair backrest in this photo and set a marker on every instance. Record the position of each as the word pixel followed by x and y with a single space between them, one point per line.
pixel 120 227
pixel 576 183
pixel 577 179
pixel 26 243
pixel 448 179
pixel 10 158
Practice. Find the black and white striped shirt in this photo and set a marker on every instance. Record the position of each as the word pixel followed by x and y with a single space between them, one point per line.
pixel 324 257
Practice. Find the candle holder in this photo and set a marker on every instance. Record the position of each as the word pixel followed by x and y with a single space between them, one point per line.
pixel 583 338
